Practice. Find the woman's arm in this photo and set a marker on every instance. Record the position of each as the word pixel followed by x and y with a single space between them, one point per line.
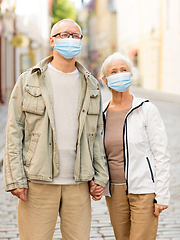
pixel 160 150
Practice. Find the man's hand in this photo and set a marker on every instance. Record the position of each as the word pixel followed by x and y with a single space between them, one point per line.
pixel 21 193
pixel 96 191
pixel 159 208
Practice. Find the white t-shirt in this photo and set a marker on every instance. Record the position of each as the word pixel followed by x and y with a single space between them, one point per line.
pixel 65 87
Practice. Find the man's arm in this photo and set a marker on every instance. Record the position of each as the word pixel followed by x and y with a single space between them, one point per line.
pixel 14 174
pixel 101 175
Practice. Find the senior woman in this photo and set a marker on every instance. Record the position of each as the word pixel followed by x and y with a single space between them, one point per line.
pixel 138 158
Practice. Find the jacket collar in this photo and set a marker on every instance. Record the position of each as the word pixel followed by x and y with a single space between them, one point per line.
pixel 136 102
pixel 82 69
pixel 42 67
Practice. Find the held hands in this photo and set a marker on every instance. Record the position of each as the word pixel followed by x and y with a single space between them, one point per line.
pixel 96 191
pixel 21 193
pixel 159 208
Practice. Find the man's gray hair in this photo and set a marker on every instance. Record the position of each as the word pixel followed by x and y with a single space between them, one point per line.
pixel 63 20
pixel 116 56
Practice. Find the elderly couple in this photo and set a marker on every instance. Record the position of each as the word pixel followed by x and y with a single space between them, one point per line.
pixel 55 155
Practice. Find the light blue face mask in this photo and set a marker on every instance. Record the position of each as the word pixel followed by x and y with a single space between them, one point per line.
pixel 120 82
pixel 68 47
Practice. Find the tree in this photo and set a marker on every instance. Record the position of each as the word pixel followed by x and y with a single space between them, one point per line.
pixel 63 9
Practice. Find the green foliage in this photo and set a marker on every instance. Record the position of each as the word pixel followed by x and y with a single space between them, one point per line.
pixel 63 9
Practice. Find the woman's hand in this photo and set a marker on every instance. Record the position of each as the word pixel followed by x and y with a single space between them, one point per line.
pixel 96 191
pixel 159 208
pixel 21 193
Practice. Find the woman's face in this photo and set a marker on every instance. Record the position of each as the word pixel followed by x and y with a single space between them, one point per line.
pixel 117 66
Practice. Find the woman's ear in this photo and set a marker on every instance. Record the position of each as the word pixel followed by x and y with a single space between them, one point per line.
pixel 105 80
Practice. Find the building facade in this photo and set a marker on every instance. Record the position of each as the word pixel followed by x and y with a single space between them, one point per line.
pixel 24 39
pixel 148 32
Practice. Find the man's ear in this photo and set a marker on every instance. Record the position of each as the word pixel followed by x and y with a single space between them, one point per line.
pixel 52 42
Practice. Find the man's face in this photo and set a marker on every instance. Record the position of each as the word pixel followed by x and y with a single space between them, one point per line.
pixel 64 27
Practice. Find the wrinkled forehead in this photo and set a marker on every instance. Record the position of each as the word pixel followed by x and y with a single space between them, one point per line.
pixel 117 63
pixel 66 26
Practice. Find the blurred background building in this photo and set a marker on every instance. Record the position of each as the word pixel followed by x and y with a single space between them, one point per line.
pixel 146 31
pixel 24 39
pixel 99 24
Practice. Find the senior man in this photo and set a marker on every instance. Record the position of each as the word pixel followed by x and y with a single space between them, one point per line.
pixel 53 144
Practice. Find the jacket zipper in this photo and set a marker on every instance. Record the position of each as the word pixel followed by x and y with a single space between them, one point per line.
pixel 152 176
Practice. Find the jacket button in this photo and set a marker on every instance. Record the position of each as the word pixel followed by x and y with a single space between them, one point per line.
pixel 49 143
pixel 83 110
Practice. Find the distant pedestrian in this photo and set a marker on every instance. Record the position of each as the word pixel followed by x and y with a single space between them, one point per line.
pixel 54 146
pixel 136 146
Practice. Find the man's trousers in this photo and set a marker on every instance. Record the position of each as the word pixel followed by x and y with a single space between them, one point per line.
pixel 38 215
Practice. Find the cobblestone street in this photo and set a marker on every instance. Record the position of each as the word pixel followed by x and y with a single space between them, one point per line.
pixel 169 221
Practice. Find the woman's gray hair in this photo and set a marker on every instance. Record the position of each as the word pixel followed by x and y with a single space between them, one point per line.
pixel 115 56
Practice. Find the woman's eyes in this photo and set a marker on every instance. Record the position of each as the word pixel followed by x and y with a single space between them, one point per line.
pixel 122 70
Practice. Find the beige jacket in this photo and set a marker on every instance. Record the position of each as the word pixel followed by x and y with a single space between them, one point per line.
pixel 31 151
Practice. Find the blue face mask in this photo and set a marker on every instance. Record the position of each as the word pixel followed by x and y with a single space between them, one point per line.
pixel 120 82
pixel 68 47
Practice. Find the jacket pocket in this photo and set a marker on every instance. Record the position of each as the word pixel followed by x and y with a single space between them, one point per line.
pixel 94 102
pixel 33 101
pixel 150 168
pixel 32 147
